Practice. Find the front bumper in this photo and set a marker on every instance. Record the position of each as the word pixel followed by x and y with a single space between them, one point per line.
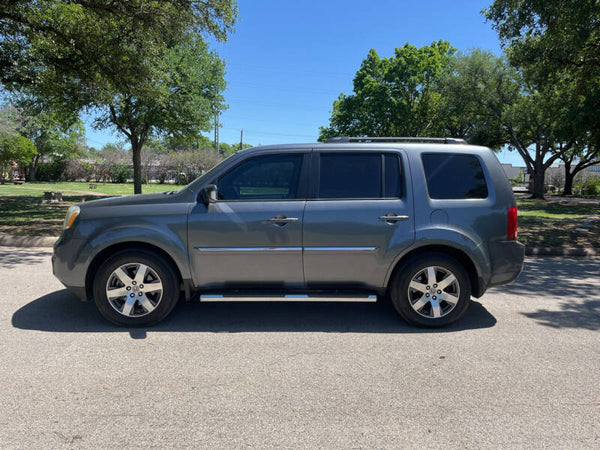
pixel 65 268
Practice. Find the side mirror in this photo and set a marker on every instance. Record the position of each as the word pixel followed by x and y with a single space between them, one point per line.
pixel 208 194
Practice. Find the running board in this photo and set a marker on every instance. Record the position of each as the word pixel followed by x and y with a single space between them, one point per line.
pixel 287 298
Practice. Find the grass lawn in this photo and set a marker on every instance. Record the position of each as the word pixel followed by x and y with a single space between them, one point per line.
pixel 80 188
pixel 554 223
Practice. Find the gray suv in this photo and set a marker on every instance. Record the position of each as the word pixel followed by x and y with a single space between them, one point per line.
pixel 426 222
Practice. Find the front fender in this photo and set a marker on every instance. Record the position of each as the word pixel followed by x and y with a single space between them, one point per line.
pixel 98 228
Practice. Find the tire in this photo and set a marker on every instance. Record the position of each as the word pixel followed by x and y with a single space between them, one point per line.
pixel 129 298
pixel 431 290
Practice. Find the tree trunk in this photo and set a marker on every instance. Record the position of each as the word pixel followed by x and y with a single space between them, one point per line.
pixel 538 183
pixel 136 149
pixel 33 167
pixel 568 190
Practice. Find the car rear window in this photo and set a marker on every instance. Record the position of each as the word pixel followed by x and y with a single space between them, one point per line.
pixel 452 176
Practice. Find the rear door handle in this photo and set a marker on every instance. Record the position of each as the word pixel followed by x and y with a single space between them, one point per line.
pixel 393 217
pixel 282 220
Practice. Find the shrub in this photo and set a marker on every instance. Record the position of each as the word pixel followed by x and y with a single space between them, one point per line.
pixel 75 170
pixel 119 173
pixel 592 186
pixel 51 171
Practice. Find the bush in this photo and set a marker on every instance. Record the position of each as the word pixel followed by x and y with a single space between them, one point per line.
pixel 120 173
pixel 51 171
pixel 592 186
pixel 75 170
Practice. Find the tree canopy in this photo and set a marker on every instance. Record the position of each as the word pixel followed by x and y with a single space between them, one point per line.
pixel 393 96
pixel 143 66
pixel 556 46
pixel 78 52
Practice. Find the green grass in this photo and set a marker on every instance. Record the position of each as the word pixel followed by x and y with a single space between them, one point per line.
pixel 554 224
pixel 553 210
pixel 80 188
pixel 27 216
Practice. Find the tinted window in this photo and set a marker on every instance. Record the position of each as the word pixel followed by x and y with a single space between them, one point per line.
pixel 393 187
pixel 350 175
pixel 273 177
pixel 454 176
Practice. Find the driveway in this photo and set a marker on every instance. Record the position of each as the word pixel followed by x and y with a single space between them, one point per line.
pixel 520 370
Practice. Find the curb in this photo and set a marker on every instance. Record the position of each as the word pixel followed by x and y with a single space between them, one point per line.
pixel 8 240
pixel 560 251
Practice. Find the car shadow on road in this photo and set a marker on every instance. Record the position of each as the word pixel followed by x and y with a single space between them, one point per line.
pixel 61 312
pixel 570 286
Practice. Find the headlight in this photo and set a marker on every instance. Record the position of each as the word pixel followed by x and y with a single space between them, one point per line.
pixel 72 213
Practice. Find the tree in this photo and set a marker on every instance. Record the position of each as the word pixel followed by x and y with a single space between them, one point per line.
pixel 180 99
pixel 547 37
pixel 557 44
pixel 78 51
pixel 393 96
pixel 113 161
pixel 52 134
pixel 475 90
pixel 14 148
pixel 108 56
pixel 576 159
pixel 494 105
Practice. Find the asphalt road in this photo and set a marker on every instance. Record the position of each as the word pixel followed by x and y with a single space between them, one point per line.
pixel 521 370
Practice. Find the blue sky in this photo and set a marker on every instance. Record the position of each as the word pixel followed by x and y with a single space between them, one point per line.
pixel 289 60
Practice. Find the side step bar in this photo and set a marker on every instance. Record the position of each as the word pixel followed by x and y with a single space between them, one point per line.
pixel 288 298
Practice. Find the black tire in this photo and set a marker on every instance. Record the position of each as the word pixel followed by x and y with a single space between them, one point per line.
pixel 451 302
pixel 144 306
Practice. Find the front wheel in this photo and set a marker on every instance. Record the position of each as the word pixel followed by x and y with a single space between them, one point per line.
pixel 431 290
pixel 135 287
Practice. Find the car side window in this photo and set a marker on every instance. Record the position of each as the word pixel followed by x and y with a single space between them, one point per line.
pixel 453 176
pixel 270 177
pixel 359 176
pixel 350 175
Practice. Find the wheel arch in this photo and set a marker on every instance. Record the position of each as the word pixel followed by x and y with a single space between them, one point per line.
pixel 107 252
pixel 477 283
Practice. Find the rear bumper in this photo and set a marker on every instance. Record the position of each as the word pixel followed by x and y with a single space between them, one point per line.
pixel 507 259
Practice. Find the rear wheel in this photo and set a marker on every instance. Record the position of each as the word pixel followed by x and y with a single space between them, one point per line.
pixel 431 290
pixel 135 287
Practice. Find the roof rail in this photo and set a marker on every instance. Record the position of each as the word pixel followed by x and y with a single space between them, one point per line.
pixel 432 140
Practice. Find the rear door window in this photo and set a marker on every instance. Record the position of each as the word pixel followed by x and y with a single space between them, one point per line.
pixel 453 176
pixel 359 176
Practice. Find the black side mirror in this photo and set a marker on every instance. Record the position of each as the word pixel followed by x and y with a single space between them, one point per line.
pixel 208 194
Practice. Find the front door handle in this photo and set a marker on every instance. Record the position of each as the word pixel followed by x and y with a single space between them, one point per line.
pixel 282 220
pixel 392 218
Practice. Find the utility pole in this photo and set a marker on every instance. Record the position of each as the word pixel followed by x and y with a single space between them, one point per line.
pixel 241 137
pixel 217 132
